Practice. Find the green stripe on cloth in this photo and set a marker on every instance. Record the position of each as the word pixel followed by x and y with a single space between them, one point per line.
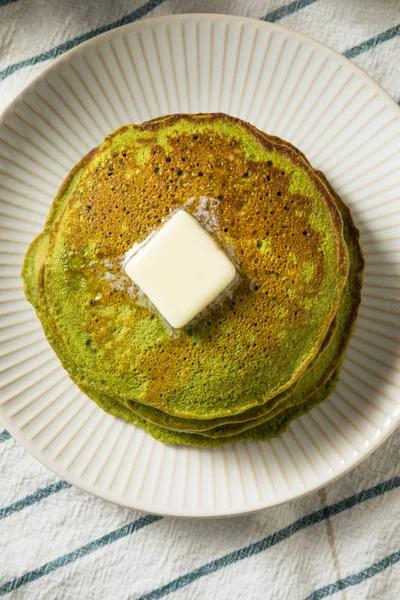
pixel 138 13
pixel 356 578
pixel 37 496
pixel 285 11
pixel 272 540
pixel 133 16
pixel 370 44
pixel 213 566
pixel 5 2
pixel 71 557
pixel 4 436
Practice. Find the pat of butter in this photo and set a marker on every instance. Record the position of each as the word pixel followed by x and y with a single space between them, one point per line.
pixel 181 269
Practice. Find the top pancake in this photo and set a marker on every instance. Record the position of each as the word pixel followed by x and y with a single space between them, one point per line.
pixel 311 389
pixel 271 214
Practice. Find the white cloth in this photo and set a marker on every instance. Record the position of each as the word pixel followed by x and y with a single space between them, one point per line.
pixel 60 543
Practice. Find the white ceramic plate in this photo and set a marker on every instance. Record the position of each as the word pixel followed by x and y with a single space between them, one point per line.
pixel 286 84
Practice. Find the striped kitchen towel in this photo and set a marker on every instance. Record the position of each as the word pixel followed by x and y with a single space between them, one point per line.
pixel 60 543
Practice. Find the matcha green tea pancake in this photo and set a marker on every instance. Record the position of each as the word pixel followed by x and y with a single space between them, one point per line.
pixel 321 375
pixel 32 273
pixel 264 352
pixel 268 211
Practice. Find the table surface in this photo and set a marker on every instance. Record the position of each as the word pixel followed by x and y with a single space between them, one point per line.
pixel 59 542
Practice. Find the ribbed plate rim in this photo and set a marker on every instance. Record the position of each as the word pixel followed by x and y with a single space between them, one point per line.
pixel 69 476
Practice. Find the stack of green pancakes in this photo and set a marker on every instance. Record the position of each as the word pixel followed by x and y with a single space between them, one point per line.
pixel 266 351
